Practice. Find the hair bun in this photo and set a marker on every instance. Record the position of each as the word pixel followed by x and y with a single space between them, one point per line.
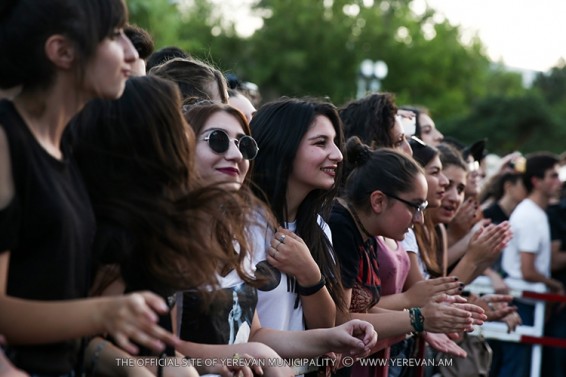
pixel 6 6
pixel 357 152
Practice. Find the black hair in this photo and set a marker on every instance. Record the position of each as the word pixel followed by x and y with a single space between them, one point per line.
pixel 422 152
pixel 163 55
pixel 371 119
pixel 141 39
pixel 450 156
pixel 279 127
pixel 495 188
pixel 536 166
pixel 383 169
pixel 26 25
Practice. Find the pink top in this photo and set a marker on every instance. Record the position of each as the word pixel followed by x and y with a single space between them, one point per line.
pixel 394 267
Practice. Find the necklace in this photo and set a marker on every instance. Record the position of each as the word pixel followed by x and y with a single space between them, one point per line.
pixel 358 221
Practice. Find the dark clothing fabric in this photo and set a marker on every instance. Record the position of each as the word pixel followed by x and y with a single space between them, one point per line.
pixel 48 229
pixel 358 259
pixel 358 264
pixel 497 216
pixel 557 220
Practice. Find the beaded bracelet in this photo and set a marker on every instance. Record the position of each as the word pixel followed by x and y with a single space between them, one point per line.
pixel 417 319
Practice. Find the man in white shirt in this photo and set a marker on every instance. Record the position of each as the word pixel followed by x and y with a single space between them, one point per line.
pixel 527 257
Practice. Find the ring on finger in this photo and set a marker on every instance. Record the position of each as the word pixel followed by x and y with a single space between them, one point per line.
pixel 282 238
pixel 277 246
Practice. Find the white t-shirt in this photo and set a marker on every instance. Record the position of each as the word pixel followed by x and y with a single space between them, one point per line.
pixel 279 305
pixel 531 234
pixel 411 246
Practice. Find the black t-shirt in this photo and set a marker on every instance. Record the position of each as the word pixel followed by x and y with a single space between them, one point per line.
pixel 358 259
pixel 48 229
pixel 557 220
pixel 497 216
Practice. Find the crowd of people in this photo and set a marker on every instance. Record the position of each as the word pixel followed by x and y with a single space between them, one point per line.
pixel 159 219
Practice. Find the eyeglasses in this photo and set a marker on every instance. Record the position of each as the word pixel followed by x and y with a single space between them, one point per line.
pixel 418 208
pixel 219 142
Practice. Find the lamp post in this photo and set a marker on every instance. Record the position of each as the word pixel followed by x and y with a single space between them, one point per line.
pixel 370 76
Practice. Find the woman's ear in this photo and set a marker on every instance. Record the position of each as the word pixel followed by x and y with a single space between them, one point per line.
pixel 60 50
pixel 378 201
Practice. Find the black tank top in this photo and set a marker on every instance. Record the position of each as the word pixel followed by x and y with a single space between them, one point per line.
pixel 48 228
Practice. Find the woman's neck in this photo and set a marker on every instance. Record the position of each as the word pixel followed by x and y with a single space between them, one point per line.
pixel 47 114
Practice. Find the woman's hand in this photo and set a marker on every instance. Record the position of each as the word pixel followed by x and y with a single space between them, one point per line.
pixel 496 306
pixel 289 253
pixel 354 338
pixel 446 314
pixel 133 318
pixel 443 343
pixel 488 242
pixel 423 291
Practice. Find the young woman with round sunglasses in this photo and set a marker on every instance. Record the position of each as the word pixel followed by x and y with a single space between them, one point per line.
pixel 223 154
pixel 62 54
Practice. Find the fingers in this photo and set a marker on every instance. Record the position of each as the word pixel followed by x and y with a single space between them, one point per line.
pixel 155 302
pixel 493 298
pixel 136 321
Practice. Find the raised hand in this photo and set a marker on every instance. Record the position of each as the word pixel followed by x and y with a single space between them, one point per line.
pixel 289 253
pixel 447 314
pixel 423 291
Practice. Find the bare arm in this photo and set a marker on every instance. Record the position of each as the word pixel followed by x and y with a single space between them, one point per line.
pixel 530 273
pixel 126 318
pixel 355 338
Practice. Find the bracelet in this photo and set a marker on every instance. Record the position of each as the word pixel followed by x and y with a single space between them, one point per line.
pixel 309 291
pixel 96 355
pixel 417 319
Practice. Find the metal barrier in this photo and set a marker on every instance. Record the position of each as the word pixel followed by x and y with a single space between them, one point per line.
pixel 537 293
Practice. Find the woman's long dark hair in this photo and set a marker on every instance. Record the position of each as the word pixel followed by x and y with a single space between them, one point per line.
pixel 155 220
pixel 279 127
pixel 27 24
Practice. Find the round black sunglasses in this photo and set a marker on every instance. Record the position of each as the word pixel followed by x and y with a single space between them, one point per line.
pixel 219 142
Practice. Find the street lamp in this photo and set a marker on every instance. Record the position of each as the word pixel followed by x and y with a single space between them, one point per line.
pixel 370 76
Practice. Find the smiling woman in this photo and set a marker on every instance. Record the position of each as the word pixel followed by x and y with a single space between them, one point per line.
pixel 296 173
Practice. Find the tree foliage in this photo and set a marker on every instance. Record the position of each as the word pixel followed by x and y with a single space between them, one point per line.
pixel 315 47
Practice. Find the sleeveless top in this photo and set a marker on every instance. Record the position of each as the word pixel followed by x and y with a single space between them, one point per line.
pixel 48 228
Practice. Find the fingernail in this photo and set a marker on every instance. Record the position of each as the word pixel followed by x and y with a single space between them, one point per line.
pixel 456 278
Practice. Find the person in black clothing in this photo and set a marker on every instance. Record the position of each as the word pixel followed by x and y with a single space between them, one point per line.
pixel 62 54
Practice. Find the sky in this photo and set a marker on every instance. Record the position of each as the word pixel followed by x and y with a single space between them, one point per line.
pixel 525 34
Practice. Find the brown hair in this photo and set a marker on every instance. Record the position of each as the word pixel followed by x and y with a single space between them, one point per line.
pixel 193 78
pixel 165 230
